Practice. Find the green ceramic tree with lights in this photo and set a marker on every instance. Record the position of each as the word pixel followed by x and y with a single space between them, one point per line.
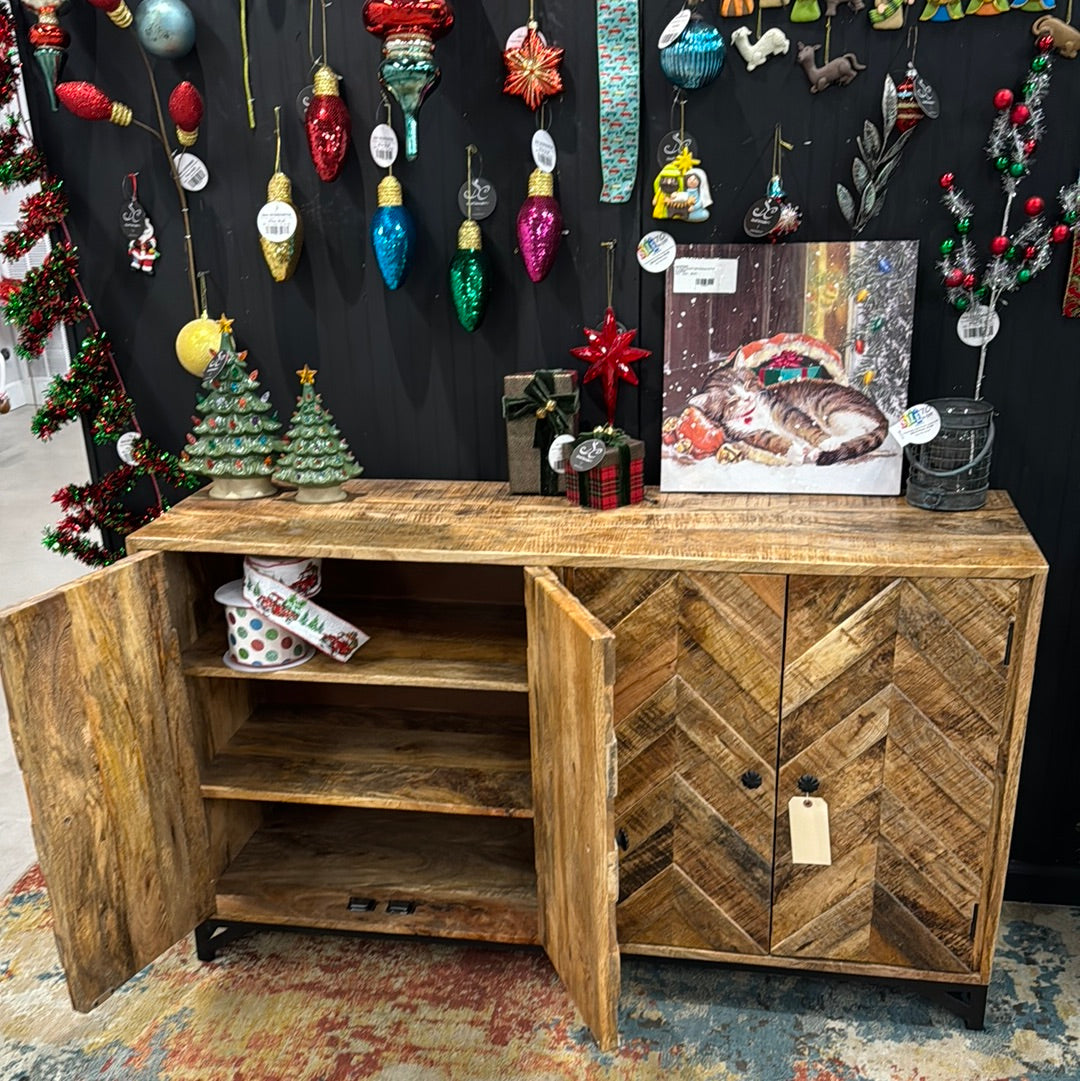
pixel 316 459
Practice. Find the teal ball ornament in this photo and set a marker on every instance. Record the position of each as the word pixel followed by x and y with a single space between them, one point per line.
pixel 166 28
pixel 392 233
pixel 695 59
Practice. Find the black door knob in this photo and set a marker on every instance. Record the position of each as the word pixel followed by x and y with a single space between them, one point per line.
pixel 808 784
pixel 751 779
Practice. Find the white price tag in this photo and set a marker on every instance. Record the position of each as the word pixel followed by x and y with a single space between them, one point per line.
pixel 673 30
pixel 557 453
pixel 384 146
pixel 194 175
pixel 276 221
pixel 978 325
pixel 656 251
pixel 917 424
pixel 809 818
pixel 125 447
pixel 517 38
pixel 705 276
pixel 543 151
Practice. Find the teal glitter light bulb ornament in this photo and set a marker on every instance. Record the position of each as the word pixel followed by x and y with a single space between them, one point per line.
pixel 392 233
pixel 470 270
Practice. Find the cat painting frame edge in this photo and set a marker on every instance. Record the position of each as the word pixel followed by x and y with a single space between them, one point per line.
pixel 839 311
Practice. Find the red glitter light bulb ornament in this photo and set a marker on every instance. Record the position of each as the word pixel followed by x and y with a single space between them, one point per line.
pixel 186 111
pixel 328 125
pixel 49 40
pixel 88 102
pixel 117 11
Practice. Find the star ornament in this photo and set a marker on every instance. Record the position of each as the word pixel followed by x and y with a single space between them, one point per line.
pixel 609 355
pixel 532 70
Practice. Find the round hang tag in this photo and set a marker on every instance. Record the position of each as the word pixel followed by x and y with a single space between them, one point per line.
pixel 917 424
pixel 587 455
pixel 483 198
pixel 978 325
pixel 672 144
pixel 303 100
pixel 556 454
pixel 276 221
pixel 194 176
pixel 384 145
pixel 543 151
pixel 125 447
pixel 761 218
pixel 674 29
pixel 517 38
pixel 656 251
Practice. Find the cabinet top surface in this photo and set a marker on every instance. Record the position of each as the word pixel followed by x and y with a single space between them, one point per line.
pixel 478 522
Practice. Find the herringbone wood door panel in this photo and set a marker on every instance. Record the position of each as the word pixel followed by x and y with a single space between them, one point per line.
pixel 894 695
pixel 698 660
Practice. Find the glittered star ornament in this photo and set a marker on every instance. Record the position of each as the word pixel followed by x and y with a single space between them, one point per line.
pixel 532 69
pixel 609 355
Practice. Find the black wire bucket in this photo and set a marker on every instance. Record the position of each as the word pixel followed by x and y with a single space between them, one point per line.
pixel 952 471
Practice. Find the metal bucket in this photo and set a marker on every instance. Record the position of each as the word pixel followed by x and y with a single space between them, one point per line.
pixel 952 471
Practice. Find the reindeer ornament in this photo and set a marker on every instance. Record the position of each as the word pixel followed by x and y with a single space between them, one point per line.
pixel 840 70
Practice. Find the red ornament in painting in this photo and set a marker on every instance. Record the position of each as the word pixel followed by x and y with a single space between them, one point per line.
pixel 328 126
pixel 609 355
pixel 908 113
pixel 532 69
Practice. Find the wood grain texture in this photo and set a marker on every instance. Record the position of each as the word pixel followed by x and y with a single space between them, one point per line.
pixel 571 672
pixel 464 522
pixel 470 878
pixel 895 697
pixel 100 719
pixel 391 759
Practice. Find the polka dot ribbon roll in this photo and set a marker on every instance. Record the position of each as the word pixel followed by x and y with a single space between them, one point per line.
pixel 619 55
pixel 281 589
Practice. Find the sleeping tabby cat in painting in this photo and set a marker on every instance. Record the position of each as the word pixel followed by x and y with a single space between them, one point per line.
pixel 810 421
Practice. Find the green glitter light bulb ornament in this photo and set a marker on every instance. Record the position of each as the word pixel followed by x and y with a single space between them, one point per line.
pixel 470 277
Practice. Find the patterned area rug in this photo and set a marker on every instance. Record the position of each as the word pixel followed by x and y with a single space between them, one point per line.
pixel 290 1007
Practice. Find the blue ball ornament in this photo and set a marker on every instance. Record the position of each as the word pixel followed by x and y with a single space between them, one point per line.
pixel 166 28
pixel 695 59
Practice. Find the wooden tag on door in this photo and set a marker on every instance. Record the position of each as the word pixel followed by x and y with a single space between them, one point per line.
pixel 809 819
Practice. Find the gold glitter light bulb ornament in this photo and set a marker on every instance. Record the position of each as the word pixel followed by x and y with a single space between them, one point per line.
pixel 281 229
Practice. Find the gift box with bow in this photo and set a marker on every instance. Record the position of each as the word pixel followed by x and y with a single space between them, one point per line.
pixel 616 477
pixel 538 406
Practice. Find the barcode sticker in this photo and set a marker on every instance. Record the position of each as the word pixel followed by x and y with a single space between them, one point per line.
pixel 276 221
pixel 705 276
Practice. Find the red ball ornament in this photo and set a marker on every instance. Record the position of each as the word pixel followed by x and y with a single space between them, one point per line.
pixel 946 180
pixel 1044 42
pixel 1060 233
pixel 186 110
pixel 999 245
pixel 1034 205
pixel 969 281
pixel 1030 147
pixel 328 125
pixel 1020 115
pixel 1003 99
pixel 1030 251
pixel 954 278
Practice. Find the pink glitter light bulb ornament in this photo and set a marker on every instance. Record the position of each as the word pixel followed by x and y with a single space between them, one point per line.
pixel 539 226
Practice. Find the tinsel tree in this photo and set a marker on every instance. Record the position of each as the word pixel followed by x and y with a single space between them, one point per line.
pixel 237 438
pixel 1016 254
pixel 316 458
pixel 91 391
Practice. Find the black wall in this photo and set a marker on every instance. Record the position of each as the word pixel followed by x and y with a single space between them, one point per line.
pixel 417 396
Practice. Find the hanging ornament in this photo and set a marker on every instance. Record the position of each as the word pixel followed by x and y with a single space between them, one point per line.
pixel 805 11
pixel 609 353
pixel 281 229
pixel 888 14
pixel 775 216
pixel 695 57
pixel 942 11
pixel 681 190
pixel 774 42
pixel 1063 37
pixel 138 229
pixel 199 338
pixel 49 41
pixel 392 233
pixel 186 111
pixel 87 102
pixel 836 72
pixel 166 28
pixel 470 271
pixel 532 68
pixel 328 125
pixel 539 226
pixel 987 7
pixel 117 10
pixel 409 29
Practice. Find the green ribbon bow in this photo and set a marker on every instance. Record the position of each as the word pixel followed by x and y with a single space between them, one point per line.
pixel 553 414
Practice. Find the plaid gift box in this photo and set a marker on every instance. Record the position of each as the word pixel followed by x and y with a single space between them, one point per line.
pixel 617 480
pixel 537 407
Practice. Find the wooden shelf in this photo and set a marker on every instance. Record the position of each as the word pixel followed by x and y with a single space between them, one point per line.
pixel 469 878
pixel 413 644
pixel 379 758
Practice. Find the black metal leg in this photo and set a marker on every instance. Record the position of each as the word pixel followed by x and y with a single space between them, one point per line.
pixel 968 1003
pixel 212 935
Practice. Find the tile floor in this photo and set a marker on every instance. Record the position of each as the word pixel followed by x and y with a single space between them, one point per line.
pixel 30 471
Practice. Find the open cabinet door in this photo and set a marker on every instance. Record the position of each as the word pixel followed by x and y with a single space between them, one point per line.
pixel 571 675
pixel 102 732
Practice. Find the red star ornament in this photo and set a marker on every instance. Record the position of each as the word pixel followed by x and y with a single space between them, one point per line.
pixel 533 70
pixel 610 354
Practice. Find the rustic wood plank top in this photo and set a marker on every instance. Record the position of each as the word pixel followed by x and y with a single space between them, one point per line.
pixel 478 522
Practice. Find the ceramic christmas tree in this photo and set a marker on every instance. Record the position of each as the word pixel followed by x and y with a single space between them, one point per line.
pixel 237 438
pixel 316 458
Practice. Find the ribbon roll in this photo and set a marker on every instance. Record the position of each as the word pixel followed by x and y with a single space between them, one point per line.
pixel 619 57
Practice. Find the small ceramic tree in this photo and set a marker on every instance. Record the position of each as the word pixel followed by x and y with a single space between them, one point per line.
pixel 238 436
pixel 316 458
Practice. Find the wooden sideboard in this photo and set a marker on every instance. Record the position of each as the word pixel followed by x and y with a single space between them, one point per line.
pixel 570 728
